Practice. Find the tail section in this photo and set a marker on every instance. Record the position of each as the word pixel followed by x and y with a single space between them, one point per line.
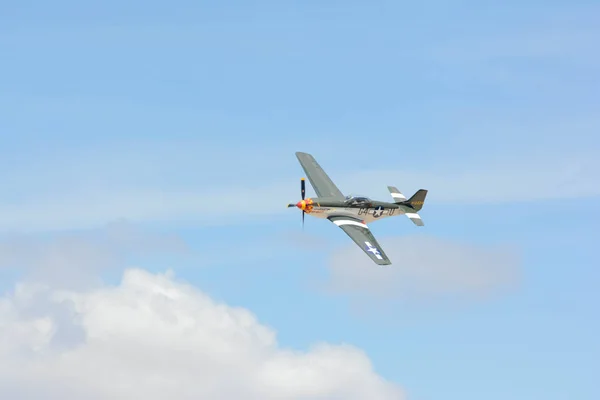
pixel 415 202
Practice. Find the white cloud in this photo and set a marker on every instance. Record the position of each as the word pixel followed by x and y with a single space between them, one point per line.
pixel 154 338
pixel 425 268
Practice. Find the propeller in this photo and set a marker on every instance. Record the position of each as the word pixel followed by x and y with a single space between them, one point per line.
pixel 303 191
pixel 303 195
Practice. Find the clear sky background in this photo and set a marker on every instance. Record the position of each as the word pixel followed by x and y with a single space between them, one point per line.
pixel 147 156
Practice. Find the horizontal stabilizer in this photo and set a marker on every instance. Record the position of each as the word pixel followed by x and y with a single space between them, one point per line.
pixel 415 218
pixel 396 194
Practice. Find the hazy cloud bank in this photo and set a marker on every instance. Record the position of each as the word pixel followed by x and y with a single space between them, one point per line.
pixel 425 268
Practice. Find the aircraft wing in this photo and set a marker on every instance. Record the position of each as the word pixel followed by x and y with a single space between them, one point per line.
pixel 321 183
pixel 362 236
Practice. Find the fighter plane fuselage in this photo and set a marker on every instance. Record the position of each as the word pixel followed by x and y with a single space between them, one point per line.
pixel 369 211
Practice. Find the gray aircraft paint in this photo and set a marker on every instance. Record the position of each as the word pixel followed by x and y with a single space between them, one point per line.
pixel 352 214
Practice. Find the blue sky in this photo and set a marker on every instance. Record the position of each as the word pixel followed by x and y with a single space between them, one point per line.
pixel 183 119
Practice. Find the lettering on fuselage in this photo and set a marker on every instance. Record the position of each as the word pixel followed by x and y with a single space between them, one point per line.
pixel 369 214
pixel 377 212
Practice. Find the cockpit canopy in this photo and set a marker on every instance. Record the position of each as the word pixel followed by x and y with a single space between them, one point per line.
pixel 357 199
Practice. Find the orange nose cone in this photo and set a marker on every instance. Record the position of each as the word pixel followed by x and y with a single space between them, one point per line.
pixel 301 204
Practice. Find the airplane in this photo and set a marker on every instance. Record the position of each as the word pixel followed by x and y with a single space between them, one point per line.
pixel 353 212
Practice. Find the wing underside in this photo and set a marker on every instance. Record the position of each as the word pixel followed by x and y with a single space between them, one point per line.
pixel 362 236
pixel 321 183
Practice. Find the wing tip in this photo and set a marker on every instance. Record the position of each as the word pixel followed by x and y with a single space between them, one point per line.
pixel 302 154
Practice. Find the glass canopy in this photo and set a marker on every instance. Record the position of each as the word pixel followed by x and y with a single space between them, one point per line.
pixel 356 199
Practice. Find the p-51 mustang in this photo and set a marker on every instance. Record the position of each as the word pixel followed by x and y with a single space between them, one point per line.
pixel 352 213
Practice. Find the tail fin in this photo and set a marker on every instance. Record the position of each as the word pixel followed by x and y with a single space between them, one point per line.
pixel 418 199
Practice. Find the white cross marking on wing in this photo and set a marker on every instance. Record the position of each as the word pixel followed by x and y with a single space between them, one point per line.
pixel 373 250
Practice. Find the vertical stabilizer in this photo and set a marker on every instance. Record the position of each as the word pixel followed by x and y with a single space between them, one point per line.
pixel 418 199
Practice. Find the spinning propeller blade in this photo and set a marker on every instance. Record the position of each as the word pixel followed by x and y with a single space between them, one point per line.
pixel 303 193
